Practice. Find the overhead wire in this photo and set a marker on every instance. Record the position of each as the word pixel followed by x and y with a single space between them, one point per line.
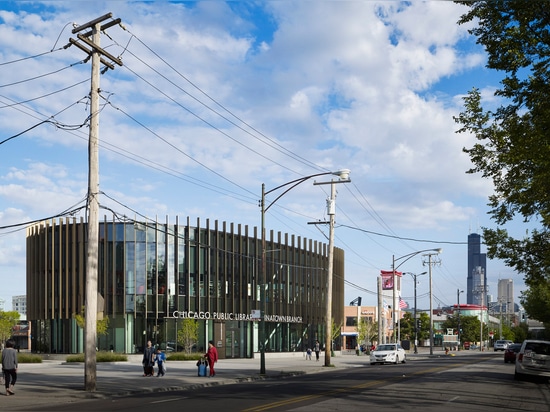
pixel 274 144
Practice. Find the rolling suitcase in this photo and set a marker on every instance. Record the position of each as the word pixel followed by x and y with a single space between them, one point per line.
pixel 202 367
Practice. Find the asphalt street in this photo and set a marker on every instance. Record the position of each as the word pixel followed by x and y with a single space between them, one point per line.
pixel 55 381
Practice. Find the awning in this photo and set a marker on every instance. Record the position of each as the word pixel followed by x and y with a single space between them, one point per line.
pixel 350 334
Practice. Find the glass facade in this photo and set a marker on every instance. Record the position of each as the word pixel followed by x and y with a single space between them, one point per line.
pixel 153 274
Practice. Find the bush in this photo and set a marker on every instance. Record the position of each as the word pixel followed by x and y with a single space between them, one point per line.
pixel 28 358
pixel 182 356
pixel 100 357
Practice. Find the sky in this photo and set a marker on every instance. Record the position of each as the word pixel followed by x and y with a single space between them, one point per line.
pixel 215 98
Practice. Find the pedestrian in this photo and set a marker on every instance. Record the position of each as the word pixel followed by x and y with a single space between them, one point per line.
pixel 308 354
pixel 160 358
pixel 317 349
pixel 212 356
pixel 9 366
pixel 148 359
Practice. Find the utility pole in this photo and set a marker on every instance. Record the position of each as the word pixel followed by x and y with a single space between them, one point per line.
pixel 91 307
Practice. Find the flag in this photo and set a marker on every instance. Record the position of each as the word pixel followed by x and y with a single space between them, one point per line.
pixel 402 304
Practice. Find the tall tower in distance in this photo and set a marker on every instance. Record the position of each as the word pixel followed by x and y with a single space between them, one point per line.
pixel 506 296
pixel 477 272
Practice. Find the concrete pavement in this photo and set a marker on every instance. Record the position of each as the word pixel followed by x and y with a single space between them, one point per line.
pixel 57 382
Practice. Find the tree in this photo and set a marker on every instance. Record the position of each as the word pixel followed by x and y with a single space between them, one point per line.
pixel 102 325
pixel 188 334
pixel 469 326
pixel 513 148
pixel 424 329
pixel 407 325
pixel 367 331
pixel 7 321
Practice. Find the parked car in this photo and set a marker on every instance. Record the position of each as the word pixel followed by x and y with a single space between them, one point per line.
pixel 388 353
pixel 511 352
pixel 501 345
pixel 533 359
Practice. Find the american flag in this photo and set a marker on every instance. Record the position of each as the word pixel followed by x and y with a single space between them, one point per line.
pixel 403 304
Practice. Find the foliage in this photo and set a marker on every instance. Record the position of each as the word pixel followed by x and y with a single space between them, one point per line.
pixel 367 331
pixel 28 358
pixel 183 356
pixel 188 334
pixel 520 332
pixel 101 356
pixel 7 321
pixel 469 326
pixel 102 325
pixel 513 148
pixel 336 329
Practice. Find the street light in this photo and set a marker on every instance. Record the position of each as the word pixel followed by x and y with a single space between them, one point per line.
pixel 344 178
pixel 414 311
pixel 458 292
pixel 394 268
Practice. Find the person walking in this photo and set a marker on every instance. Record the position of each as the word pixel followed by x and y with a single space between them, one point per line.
pixel 317 350
pixel 160 358
pixel 9 366
pixel 212 356
pixel 148 360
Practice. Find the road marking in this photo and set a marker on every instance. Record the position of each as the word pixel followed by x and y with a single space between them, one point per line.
pixel 171 400
pixel 308 397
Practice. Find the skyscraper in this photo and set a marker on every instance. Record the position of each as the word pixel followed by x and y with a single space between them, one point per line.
pixel 506 296
pixel 477 272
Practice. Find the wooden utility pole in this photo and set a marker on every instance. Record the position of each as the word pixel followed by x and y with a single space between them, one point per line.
pixel 91 307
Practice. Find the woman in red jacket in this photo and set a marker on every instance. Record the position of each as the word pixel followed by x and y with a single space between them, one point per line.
pixel 212 356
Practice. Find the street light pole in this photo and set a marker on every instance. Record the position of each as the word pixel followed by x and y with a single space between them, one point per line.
pixel 331 206
pixel 394 268
pixel 343 174
pixel 458 292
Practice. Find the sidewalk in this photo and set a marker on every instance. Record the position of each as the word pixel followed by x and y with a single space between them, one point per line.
pixel 57 382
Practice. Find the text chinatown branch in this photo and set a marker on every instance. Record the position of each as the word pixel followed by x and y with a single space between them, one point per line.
pixel 234 316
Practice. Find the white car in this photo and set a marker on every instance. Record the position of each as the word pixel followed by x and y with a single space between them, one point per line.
pixel 388 353
pixel 533 359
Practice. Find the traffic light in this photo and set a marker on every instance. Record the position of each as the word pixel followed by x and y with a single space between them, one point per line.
pixel 418 324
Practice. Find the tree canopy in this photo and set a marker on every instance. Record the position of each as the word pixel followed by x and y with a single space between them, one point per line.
pixel 513 139
pixel 7 321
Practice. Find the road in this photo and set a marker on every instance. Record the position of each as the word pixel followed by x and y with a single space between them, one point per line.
pixel 466 383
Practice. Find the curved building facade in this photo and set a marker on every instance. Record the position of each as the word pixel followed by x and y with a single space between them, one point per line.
pixel 153 275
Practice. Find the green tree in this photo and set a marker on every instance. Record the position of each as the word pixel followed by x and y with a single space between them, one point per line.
pixel 367 332
pixel 102 325
pixel 469 326
pixel 513 148
pixel 188 334
pixel 407 325
pixel 520 332
pixel 7 321
pixel 424 330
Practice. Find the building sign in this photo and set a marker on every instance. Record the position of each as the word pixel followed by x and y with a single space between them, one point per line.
pixel 234 316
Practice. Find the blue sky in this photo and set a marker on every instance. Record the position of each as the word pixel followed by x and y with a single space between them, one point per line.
pixel 216 98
